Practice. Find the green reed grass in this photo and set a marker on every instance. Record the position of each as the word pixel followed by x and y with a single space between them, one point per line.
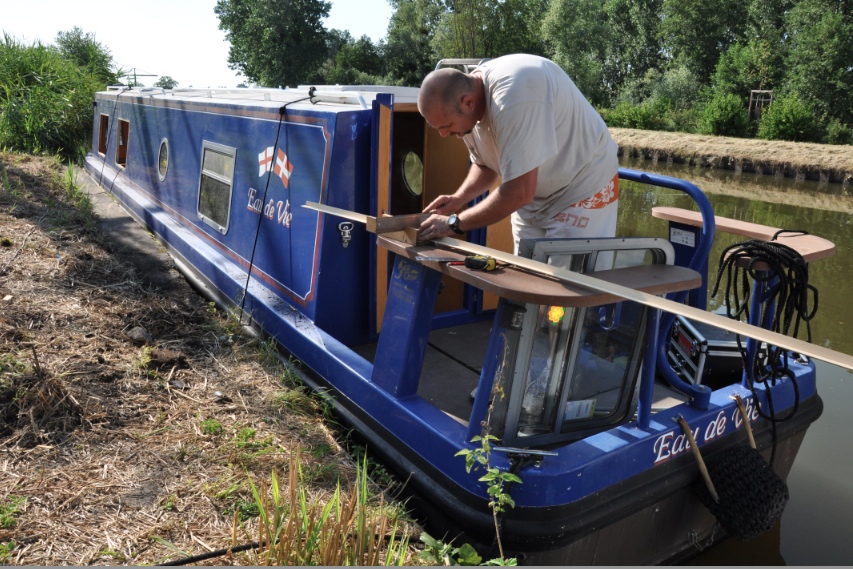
pixel 349 529
pixel 45 100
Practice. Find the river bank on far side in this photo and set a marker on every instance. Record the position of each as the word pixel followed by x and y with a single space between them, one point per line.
pixel 802 160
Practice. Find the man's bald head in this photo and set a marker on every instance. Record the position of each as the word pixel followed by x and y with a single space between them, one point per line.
pixel 445 88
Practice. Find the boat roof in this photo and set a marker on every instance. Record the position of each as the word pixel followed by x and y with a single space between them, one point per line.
pixel 344 96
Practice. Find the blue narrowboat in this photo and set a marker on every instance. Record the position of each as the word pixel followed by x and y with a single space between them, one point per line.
pixel 294 206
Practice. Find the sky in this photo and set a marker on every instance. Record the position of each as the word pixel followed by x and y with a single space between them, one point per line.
pixel 178 38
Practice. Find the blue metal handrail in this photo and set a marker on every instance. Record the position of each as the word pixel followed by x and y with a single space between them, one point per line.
pixel 699 263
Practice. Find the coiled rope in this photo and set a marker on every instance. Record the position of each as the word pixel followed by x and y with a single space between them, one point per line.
pixel 786 275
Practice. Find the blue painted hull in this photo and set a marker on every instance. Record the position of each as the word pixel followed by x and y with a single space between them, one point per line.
pixel 316 298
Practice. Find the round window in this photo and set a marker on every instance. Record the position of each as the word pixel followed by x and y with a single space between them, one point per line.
pixel 163 159
pixel 413 173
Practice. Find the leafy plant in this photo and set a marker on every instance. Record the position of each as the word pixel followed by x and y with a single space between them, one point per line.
pixel 837 133
pixel 6 550
pixel 9 511
pixel 45 100
pixel 496 478
pixel 788 118
pixel 211 427
pixel 724 115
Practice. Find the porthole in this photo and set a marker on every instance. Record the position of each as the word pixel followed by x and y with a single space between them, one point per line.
pixel 163 159
pixel 413 173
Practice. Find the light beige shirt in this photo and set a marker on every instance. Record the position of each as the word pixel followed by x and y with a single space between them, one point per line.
pixel 536 117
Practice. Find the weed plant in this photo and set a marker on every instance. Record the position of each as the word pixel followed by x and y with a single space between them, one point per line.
pixel 349 529
pixel 45 100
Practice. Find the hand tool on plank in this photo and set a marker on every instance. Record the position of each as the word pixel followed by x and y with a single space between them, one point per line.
pixel 473 262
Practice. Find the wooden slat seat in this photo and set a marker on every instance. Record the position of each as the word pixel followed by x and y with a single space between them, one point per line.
pixel 519 285
pixel 811 247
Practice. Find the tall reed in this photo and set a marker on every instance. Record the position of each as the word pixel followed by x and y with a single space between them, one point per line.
pixel 348 529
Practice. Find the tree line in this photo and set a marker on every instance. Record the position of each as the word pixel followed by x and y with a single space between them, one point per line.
pixel 693 66
pixel 651 64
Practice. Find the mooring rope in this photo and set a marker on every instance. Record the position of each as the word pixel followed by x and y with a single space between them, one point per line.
pixel 786 274
pixel 281 112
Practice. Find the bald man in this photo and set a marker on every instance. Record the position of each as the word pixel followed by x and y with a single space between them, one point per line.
pixel 526 124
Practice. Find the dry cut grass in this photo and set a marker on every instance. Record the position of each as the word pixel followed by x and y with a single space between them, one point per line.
pixel 832 163
pixel 134 421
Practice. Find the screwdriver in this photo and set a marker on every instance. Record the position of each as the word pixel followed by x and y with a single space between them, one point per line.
pixel 473 262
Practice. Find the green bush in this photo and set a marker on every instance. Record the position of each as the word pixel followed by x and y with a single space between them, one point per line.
pixel 838 133
pixel 45 100
pixel 651 114
pixel 789 118
pixel 724 115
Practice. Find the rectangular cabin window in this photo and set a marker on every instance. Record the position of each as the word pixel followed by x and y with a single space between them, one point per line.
pixel 214 189
pixel 103 134
pixel 121 144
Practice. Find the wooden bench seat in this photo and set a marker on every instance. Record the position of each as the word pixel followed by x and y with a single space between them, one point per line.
pixel 811 247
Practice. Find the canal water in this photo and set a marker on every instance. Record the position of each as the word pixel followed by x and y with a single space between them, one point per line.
pixel 815 527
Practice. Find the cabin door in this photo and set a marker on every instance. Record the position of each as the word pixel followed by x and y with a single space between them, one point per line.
pixel 412 166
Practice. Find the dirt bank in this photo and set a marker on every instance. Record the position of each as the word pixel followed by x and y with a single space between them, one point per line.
pixel 822 162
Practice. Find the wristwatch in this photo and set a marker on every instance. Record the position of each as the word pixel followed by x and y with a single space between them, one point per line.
pixel 453 223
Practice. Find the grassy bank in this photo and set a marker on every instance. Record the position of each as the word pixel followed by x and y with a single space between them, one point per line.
pixel 791 159
pixel 137 423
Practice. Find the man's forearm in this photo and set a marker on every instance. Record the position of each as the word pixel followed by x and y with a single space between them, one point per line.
pixel 501 203
pixel 479 180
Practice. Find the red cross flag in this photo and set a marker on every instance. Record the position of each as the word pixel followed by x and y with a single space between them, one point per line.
pixel 265 161
pixel 283 168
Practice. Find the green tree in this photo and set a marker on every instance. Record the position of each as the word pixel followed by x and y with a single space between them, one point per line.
pixel 85 51
pixel 356 61
pixel 820 57
pixel 409 55
pixel 789 118
pixel 166 82
pixel 274 42
pixel 744 67
pixel 518 27
pixel 464 29
pixel 724 115
pixel 578 34
pixel 633 47
pixel 699 31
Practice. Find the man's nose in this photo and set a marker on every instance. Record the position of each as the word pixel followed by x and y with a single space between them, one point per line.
pixel 443 132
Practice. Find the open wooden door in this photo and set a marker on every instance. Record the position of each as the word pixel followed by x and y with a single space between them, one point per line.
pixel 383 113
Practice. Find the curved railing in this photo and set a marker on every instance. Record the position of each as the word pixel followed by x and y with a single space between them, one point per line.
pixel 699 261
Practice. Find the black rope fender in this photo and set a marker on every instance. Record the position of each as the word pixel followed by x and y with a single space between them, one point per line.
pixel 750 496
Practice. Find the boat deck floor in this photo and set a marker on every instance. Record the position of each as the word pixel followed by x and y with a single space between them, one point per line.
pixel 452 366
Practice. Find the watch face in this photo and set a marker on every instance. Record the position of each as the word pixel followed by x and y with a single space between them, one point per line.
pixel 452 220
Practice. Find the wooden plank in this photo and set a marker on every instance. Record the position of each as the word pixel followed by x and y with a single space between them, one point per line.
pixel 331 210
pixel 735 326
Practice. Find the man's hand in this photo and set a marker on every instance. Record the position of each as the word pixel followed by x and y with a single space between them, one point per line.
pixel 445 205
pixel 435 227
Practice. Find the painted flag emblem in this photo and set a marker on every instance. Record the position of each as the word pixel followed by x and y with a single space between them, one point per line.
pixel 282 168
pixel 265 161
